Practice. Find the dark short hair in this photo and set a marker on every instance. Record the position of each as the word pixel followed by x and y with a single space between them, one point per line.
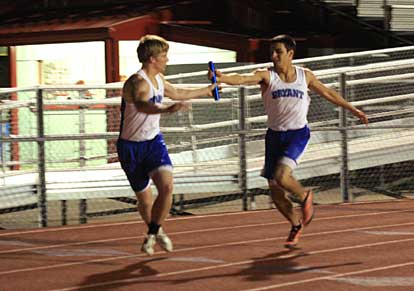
pixel 287 40
pixel 151 45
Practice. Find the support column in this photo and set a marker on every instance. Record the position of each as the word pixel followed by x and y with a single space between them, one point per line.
pixel 14 118
pixel 112 75
pixel 344 173
pixel 111 60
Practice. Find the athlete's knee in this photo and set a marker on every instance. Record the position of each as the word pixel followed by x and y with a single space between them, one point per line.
pixel 278 194
pixel 144 204
pixel 163 180
pixel 282 178
pixel 276 191
pixel 165 189
pixel 144 201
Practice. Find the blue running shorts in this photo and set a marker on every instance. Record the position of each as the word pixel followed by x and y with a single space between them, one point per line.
pixel 285 147
pixel 140 159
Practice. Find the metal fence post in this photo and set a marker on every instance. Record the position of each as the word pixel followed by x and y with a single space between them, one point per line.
pixel 242 146
pixel 2 144
pixel 344 172
pixel 42 203
pixel 83 203
pixel 387 21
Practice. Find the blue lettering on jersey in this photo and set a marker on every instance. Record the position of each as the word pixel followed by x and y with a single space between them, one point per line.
pixel 156 99
pixel 287 93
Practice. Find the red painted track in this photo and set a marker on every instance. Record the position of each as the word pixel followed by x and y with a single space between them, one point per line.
pixel 346 247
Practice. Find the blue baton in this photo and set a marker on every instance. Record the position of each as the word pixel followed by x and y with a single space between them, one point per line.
pixel 215 91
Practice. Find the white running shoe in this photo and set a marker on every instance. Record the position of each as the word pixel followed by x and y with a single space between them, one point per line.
pixel 164 241
pixel 148 245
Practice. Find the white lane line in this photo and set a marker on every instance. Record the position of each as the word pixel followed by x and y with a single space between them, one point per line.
pixel 82 252
pixel 138 237
pixel 284 257
pixel 330 277
pixel 390 232
pixel 189 232
pixel 260 240
pixel 194 260
pixel 15 243
pixel 378 281
pixel 255 261
pixel 82 227
pixel 45 230
pixel 34 248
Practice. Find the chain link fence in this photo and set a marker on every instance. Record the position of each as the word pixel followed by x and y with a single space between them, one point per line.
pixel 59 164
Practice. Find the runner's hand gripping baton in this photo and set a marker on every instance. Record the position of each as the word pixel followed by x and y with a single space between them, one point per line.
pixel 215 91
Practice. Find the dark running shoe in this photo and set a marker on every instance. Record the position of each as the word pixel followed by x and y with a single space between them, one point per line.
pixel 307 208
pixel 293 237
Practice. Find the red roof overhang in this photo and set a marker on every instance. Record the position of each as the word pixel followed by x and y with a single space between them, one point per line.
pixel 41 29
pixel 67 30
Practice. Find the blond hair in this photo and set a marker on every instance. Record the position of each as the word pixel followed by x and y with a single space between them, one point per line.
pixel 150 46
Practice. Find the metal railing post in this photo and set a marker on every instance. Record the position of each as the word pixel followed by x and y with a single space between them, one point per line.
pixel 42 203
pixel 387 9
pixel 2 144
pixel 344 172
pixel 83 203
pixel 242 146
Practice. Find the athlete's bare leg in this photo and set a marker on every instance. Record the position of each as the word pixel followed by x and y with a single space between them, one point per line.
pixel 285 179
pixel 163 180
pixel 159 211
pixel 145 201
pixel 156 211
pixel 282 203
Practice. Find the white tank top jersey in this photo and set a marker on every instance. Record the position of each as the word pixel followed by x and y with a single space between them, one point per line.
pixel 139 126
pixel 286 104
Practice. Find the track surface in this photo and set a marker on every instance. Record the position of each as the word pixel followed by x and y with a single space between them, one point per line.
pixel 346 247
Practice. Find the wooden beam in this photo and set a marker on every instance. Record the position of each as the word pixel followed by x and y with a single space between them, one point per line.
pixel 60 36
pixel 198 36
pixel 111 60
